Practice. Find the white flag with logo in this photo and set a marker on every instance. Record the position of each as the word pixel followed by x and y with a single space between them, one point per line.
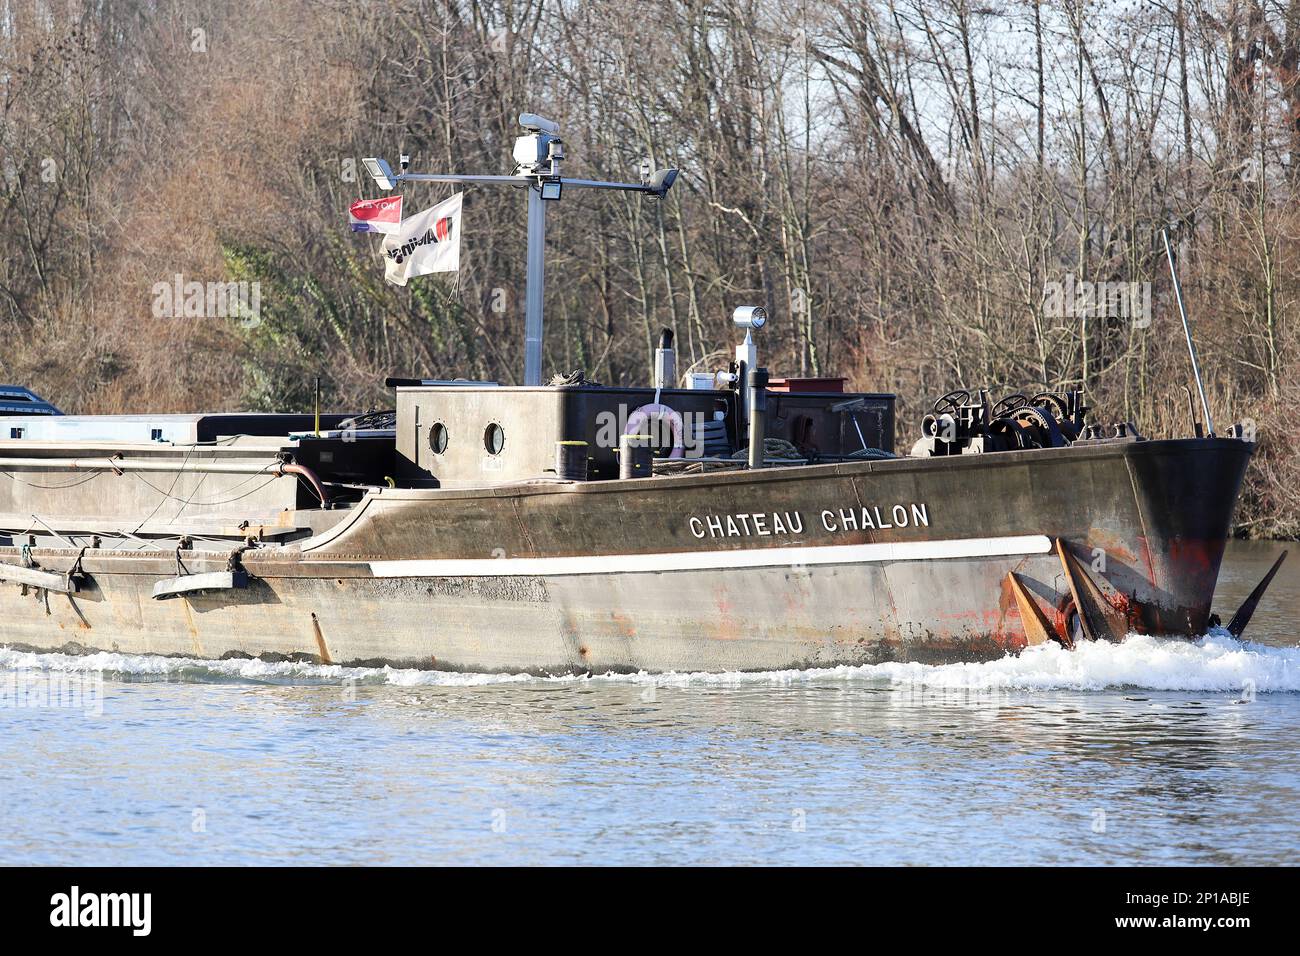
pixel 427 242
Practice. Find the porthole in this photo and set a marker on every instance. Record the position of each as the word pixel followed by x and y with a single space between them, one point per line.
pixel 438 438
pixel 494 439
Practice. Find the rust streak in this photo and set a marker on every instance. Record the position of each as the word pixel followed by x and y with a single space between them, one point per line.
pixel 320 641
pixel 81 618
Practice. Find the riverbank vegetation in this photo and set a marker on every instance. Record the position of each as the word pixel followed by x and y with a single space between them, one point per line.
pixel 924 193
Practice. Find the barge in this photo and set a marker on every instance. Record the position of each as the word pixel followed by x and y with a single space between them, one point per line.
pixel 707 522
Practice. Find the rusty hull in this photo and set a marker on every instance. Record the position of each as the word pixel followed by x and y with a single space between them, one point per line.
pixel 1153 515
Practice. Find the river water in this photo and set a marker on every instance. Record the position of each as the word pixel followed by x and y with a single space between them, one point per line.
pixel 1149 752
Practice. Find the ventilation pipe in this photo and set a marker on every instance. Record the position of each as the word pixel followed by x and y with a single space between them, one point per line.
pixel 665 361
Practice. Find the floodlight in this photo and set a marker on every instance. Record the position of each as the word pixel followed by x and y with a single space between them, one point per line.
pixel 380 172
pixel 750 317
pixel 662 181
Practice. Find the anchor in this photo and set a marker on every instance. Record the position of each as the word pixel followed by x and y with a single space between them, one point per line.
pixel 1095 602
pixel 1037 628
pixel 1098 616
pixel 1237 626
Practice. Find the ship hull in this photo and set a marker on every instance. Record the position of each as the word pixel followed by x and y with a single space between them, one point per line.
pixel 906 559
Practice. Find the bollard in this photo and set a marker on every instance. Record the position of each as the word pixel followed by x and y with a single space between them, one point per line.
pixel 635 457
pixel 571 460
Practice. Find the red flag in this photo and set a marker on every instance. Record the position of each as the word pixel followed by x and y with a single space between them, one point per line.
pixel 376 215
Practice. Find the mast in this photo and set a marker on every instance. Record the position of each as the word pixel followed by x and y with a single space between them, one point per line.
pixel 537 155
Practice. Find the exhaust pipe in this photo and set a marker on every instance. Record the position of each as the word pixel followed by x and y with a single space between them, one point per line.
pixel 665 361
pixel 758 379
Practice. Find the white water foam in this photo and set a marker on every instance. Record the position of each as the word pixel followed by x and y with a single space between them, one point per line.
pixel 235 670
pixel 1216 662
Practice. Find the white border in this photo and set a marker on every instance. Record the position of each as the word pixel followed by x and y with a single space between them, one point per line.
pixel 713 560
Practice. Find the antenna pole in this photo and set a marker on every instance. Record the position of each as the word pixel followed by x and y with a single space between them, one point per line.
pixel 536 285
pixel 1187 330
pixel 538 155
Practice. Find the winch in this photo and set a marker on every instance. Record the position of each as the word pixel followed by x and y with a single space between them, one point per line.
pixel 959 424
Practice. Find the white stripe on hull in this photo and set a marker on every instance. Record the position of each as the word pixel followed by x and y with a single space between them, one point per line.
pixel 714 560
